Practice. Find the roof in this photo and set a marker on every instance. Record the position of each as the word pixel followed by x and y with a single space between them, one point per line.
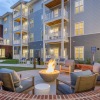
pixel 6 14
pixel 18 3
pixel 31 2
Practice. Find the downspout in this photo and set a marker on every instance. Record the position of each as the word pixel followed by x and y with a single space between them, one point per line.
pixel 70 33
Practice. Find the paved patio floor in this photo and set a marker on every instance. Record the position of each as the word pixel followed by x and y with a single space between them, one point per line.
pixel 38 79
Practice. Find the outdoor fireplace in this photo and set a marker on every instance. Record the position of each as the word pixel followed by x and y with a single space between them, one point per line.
pixel 49 74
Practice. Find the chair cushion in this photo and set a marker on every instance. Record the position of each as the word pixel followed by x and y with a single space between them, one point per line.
pixel 96 68
pixel 75 75
pixel 69 63
pixel 15 76
pixel 65 89
pixel 26 84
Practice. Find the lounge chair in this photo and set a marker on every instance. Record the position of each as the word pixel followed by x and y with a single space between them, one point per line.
pixel 69 66
pixel 80 82
pixel 12 82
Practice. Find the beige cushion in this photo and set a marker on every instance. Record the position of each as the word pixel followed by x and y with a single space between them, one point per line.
pixel 69 63
pixel 96 68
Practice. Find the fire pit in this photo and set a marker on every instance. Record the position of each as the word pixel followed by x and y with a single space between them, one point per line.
pixel 50 74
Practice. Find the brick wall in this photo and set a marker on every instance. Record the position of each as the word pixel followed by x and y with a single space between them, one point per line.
pixel 92 95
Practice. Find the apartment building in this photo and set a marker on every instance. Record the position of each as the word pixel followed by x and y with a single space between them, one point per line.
pixel 20 30
pixel 59 28
pixel 6 24
pixel 71 29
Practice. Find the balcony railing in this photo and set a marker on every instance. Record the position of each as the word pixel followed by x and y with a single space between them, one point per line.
pixel 19 13
pixel 4 43
pixel 16 42
pixel 52 15
pixel 47 1
pixel 16 28
pixel 55 36
pixel 25 41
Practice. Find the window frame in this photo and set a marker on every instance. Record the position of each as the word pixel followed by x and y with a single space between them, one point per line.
pixel 78 6
pixel 31 38
pixel 31 53
pixel 78 29
pixel 75 53
pixel 31 23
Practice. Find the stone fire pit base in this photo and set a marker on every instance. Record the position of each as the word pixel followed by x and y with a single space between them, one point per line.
pixel 49 77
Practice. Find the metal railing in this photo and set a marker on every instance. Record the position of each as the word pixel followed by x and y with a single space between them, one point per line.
pixel 25 41
pixel 52 15
pixel 16 28
pixel 4 43
pixel 55 36
pixel 19 13
pixel 16 42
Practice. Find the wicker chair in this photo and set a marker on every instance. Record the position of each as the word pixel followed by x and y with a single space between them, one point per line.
pixel 22 86
pixel 83 84
pixel 68 67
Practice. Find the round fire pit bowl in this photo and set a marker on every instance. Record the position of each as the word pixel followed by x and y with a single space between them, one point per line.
pixel 49 77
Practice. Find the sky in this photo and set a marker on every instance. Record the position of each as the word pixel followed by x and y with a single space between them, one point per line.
pixel 6 4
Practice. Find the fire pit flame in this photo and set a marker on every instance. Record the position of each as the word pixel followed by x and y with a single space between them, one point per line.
pixel 51 66
pixel 49 74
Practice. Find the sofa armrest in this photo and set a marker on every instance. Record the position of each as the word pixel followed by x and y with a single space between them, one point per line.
pixel 25 79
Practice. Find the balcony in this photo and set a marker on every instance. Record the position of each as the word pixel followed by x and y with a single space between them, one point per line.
pixel 52 16
pixel 16 42
pixel 24 28
pixel 52 3
pixel 19 14
pixel 56 37
pixel 24 42
pixel 4 42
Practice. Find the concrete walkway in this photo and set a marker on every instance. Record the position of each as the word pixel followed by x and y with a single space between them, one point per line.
pixel 23 65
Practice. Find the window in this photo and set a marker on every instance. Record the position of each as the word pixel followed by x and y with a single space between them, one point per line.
pixel 25 53
pixel 5 30
pixel 56 12
pixel 2 52
pixel 5 19
pixel 31 23
pixel 79 6
pixel 31 37
pixel 79 53
pixel 79 28
pixel 54 52
pixel 31 53
pixel 31 10
pixel 6 42
pixel 65 53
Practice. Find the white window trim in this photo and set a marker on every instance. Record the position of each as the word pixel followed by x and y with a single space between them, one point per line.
pixel 75 30
pixel 78 47
pixel 75 8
